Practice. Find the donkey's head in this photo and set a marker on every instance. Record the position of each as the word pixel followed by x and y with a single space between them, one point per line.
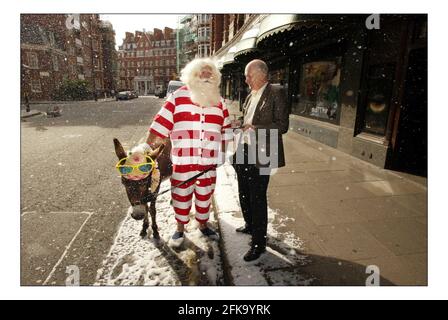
pixel 136 169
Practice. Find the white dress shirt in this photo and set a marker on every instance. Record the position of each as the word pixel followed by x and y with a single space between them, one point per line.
pixel 254 99
pixel 249 118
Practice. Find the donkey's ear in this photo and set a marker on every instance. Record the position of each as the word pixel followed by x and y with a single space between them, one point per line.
pixel 157 152
pixel 119 150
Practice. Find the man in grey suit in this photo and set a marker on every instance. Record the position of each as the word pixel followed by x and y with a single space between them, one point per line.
pixel 266 119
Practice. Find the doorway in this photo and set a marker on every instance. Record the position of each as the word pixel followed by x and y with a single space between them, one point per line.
pixel 410 153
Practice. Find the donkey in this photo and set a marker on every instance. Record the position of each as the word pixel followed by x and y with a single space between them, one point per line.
pixel 139 189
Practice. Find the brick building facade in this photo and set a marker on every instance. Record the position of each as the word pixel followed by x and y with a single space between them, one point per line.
pixel 59 47
pixel 110 63
pixel 147 60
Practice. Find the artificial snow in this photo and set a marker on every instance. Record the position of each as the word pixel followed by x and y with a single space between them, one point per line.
pixel 279 265
pixel 146 262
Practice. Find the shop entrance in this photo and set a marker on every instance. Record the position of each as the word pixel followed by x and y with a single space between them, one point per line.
pixel 410 152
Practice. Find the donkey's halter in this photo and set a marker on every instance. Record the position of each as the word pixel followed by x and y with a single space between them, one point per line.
pixel 150 183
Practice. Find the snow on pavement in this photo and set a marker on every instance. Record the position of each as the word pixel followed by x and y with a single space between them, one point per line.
pixel 279 265
pixel 136 261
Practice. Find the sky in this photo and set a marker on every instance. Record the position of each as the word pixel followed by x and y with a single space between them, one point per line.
pixel 123 23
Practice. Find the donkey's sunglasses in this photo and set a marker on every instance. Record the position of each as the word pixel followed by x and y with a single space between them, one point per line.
pixel 143 168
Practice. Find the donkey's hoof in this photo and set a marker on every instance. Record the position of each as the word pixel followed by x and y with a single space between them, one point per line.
pixel 143 234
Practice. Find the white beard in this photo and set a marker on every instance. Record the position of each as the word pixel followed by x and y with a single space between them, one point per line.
pixel 205 94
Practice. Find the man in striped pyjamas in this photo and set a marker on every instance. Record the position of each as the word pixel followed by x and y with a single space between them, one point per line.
pixel 197 122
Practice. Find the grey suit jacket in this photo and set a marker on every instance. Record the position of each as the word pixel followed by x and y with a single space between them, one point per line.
pixel 271 113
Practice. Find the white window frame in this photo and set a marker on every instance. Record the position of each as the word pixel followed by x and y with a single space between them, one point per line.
pixel 33 60
pixel 33 87
pixel 55 63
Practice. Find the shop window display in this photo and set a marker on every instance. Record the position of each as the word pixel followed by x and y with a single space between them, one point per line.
pixel 319 90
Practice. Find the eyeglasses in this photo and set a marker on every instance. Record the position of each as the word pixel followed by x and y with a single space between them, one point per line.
pixel 143 168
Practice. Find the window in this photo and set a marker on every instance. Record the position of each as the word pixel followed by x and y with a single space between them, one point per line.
pixel 378 85
pixel 380 82
pixel 33 61
pixel 203 50
pixel 95 45
pixel 319 90
pixel 51 37
pixel 35 86
pixel 204 33
pixel 55 63
pixel 96 62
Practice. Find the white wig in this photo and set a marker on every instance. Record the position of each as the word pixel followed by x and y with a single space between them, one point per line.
pixel 193 69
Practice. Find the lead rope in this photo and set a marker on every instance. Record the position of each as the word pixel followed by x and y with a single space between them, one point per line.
pixel 153 197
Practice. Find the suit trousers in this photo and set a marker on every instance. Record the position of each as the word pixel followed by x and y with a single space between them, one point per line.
pixel 252 187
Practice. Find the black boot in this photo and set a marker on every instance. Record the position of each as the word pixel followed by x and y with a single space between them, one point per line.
pixel 254 253
pixel 246 229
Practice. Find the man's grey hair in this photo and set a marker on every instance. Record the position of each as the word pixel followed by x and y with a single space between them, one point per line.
pixel 259 65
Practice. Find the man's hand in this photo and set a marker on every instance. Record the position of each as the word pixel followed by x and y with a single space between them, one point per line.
pixel 248 127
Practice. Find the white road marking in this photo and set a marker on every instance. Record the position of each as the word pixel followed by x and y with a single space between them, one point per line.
pixel 27 212
pixel 67 248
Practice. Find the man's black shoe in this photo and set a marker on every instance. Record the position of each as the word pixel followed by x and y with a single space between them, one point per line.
pixel 244 229
pixel 254 253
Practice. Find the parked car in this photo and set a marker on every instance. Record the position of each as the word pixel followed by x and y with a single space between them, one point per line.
pixel 173 86
pixel 126 95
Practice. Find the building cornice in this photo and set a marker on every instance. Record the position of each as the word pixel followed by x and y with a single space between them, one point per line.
pixel 42 48
pixel 237 37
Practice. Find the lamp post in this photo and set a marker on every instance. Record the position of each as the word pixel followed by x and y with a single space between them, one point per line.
pixel 92 60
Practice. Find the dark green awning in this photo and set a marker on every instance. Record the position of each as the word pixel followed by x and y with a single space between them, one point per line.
pixel 278 23
pixel 229 57
pixel 248 42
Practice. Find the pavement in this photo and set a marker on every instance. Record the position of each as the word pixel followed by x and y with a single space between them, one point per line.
pixel 44 104
pixel 334 218
pixel 24 114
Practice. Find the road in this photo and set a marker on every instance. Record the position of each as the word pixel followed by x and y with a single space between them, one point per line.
pixel 72 202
